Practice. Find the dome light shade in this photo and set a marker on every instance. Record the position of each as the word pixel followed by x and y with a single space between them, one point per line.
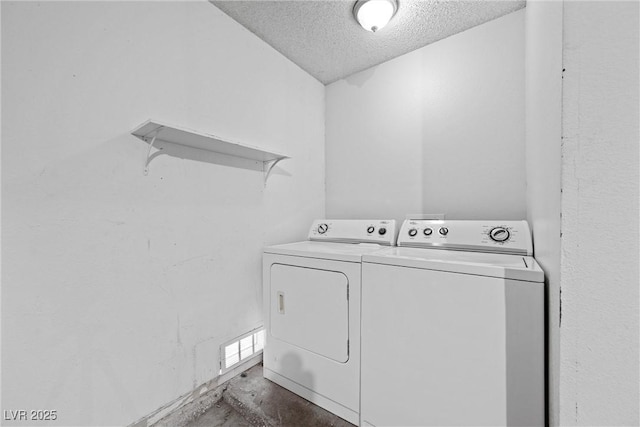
pixel 374 14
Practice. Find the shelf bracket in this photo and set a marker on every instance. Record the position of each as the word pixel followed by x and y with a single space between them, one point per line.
pixel 153 140
pixel 268 167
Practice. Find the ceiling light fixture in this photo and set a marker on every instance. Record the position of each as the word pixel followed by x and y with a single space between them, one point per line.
pixel 374 14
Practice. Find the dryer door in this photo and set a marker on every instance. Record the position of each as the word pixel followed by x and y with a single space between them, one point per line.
pixel 309 309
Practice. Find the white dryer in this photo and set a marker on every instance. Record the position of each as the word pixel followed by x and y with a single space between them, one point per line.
pixel 453 327
pixel 311 293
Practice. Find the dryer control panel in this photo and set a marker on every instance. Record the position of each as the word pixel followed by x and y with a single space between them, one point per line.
pixel 507 237
pixel 380 231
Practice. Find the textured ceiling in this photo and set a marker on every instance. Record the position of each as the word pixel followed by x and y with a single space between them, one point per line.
pixel 324 39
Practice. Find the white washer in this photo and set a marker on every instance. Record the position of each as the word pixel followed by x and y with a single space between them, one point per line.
pixel 311 293
pixel 453 327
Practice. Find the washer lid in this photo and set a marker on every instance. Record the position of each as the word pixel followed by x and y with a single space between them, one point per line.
pixel 482 264
pixel 351 252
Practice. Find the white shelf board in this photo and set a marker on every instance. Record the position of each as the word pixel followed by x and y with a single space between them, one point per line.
pixel 203 141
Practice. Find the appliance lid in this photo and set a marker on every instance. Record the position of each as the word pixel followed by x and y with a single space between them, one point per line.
pixel 514 267
pixel 351 252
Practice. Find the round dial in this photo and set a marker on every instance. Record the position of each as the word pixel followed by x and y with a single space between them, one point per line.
pixel 382 231
pixel 443 231
pixel 322 228
pixel 413 232
pixel 499 234
pixel 427 231
pixel 371 229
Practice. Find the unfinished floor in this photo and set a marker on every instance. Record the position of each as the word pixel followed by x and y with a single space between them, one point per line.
pixel 249 400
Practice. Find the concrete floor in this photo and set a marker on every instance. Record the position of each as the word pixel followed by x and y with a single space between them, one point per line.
pixel 250 400
pixel 220 415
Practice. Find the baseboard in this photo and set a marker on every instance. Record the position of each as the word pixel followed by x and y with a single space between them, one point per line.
pixel 189 406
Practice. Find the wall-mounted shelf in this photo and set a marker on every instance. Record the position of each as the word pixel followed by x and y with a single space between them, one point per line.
pixel 152 130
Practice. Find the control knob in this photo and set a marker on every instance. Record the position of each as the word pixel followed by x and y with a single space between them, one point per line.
pixel 427 231
pixel 499 234
pixel 322 228
pixel 382 231
pixel 413 232
pixel 371 229
pixel 443 231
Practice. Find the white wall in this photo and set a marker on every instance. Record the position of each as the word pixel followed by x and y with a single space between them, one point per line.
pixel 600 179
pixel 543 165
pixel 118 288
pixel 440 129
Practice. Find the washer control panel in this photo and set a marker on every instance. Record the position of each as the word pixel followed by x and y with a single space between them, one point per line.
pixel 510 237
pixel 380 231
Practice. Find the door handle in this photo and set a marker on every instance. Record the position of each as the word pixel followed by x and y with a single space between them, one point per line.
pixel 281 302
